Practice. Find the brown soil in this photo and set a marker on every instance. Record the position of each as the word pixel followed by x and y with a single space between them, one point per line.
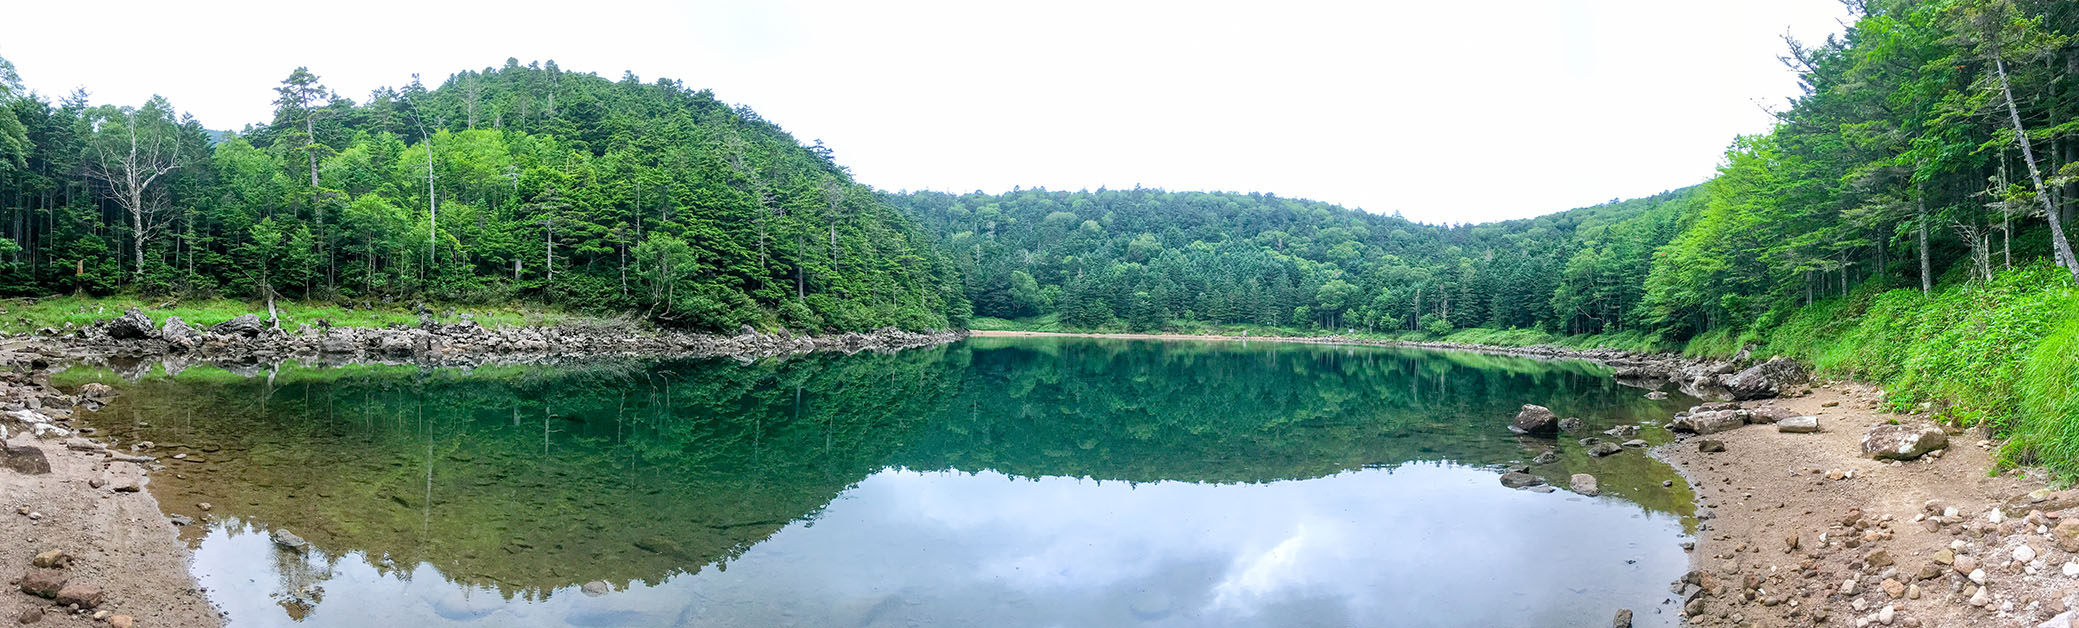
pixel 119 541
pixel 1767 486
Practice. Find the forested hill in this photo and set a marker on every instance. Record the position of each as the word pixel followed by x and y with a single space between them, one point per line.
pixel 544 185
pixel 1140 259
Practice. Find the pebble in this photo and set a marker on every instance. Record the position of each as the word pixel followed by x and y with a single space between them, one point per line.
pixel 2071 568
pixel 1978 577
pixel 2024 553
pixel 1982 597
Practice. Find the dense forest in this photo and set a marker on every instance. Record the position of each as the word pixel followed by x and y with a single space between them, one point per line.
pixel 1932 139
pixel 514 183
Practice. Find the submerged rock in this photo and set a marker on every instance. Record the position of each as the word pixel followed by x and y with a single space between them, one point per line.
pixel 1584 484
pixel 1902 442
pixel 1571 424
pixel 1548 456
pixel 1533 419
pixel 1515 479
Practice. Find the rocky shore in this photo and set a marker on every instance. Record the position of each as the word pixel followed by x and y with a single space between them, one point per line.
pixel 135 341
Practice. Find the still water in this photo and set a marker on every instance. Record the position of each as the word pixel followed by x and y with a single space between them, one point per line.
pixel 1001 482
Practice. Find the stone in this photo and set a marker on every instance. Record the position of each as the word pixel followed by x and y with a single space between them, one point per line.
pixel 1768 379
pixel 51 559
pixel 596 588
pixel 1535 420
pixel 1945 556
pixel 1571 424
pixel 1584 484
pixel 43 583
pixel 289 541
pixel 1604 449
pixel 1894 588
pixel 1879 558
pixel 1798 425
pixel 1902 442
pixel 121 621
pixel 1635 443
pixel 1710 446
pixel 1768 414
pixel 247 325
pixel 2066 534
pixel 132 325
pixel 2024 553
pixel 1709 421
pixel 1623 619
pixel 84 595
pixel 26 460
pixel 2071 569
pixel 1515 479
pixel 2061 620
pixel 1982 597
pixel 1978 576
pixel 30 615
pixel 1548 456
pixel 1965 564
pixel 1887 614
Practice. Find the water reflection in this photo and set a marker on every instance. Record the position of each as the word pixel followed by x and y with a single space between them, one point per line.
pixel 1015 482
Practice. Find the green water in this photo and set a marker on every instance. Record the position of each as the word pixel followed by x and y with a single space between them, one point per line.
pixel 1003 482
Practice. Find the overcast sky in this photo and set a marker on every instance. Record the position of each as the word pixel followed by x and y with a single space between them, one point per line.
pixel 1442 111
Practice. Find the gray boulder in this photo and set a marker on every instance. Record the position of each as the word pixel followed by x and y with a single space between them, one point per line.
pixel 1709 421
pixel 25 460
pixel 132 325
pixel 1515 479
pixel 1535 420
pixel 1765 380
pixel 1902 442
pixel 247 325
pixel 1584 484
pixel 1571 424
pixel 178 331
pixel 1768 414
pixel 1798 425
pixel 1710 446
pixel 289 541
pixel 1604 449
pixel 1548 456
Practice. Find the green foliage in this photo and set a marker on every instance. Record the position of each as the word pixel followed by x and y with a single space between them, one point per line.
pixel 545 186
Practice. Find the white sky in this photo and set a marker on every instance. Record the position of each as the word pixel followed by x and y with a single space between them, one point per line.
pixel 1443 111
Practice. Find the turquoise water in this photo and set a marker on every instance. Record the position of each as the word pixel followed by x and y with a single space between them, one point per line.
pixel 1003 482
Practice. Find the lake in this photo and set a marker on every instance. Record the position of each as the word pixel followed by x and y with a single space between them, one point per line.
pixel 994 481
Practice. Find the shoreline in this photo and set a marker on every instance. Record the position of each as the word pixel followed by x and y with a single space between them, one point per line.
pixel 1873 527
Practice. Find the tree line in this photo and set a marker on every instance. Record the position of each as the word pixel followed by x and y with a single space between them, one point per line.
pixel 1931 140
pixel 506 184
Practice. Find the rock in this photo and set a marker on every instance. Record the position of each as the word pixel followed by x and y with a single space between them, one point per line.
pixel 1893 588
pixel 1571 424
pixel 51 559
pixel 1768 414
pixel 247 325
pixel 1978 576
pixel 43 583
pixel 1965 564
pixel 84 595
pixel 1548 456
pixel 1879 558
pixel 1584 484
pixel 1902 442
pixel 178 331
pixel 1542 488
pixel 2066 534
pixel 596 588
pixel 1798 425
pixel 1887 614
pixel 1604 449
pixel 30 615
pixel 2061 620
pixel 2071 569
pixel 1635 443
pixel 1623 619
pixel 1515 479
pixel 2024 553
pixel 1709 421
pixel 1710 446
pixel 1623 431
pixel 289 541
pixel 121 621
pixel 1768 379
pixel 25 460
pixel 1982 597
pixel 1535 420
pixel 132 325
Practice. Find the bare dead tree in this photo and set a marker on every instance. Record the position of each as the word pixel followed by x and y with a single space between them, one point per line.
pixel 130 165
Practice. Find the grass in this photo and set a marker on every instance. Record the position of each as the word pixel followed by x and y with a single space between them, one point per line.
pixel 26 315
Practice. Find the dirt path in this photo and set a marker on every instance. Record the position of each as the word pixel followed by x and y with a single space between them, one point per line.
pixel 1876 524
